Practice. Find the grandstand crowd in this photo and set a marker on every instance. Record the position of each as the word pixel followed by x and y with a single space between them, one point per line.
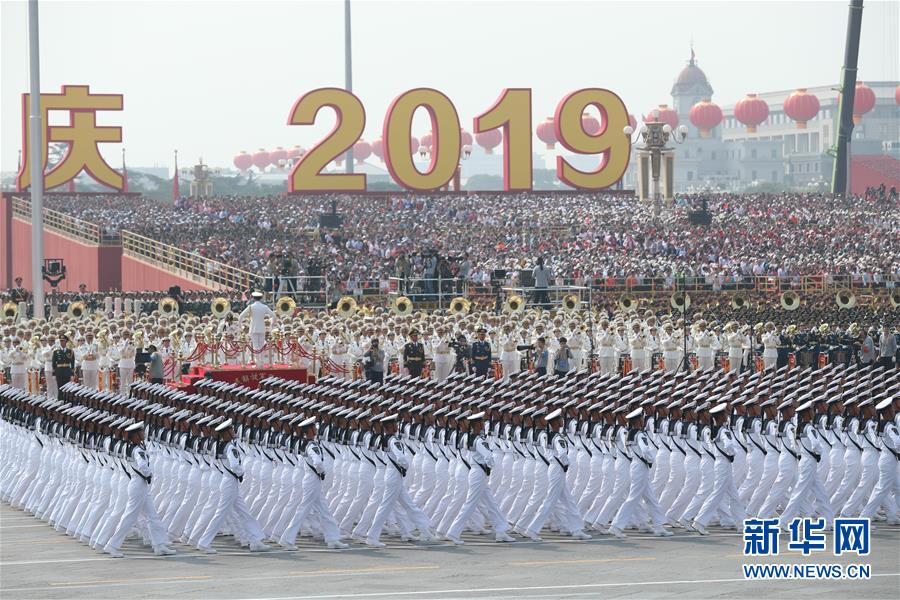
pixel 582 237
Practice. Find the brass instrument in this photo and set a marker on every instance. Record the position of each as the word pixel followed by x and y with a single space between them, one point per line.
pixel 346 306
pixel 628 303
pixel 680 301
pixel 220 307
pixel 285 307
pixel 845 298
pixel 514 304
pixel 790 300
pixel 10 310
pixel 739 301
pixel 460 306
pixel 402 306
pixel 138 338
pixel 76 310
pixel 895 298
pixel 168 306
pixel 571 303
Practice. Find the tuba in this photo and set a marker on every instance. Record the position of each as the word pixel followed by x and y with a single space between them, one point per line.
pixel 514 304
pixel 628 303
pixel 10 310
pixel 76 310
pixel 571 302
pixel 790 300
pixel 895 298
pixel 285 307
pixel 680 301
pixel 346 306
pixel 739 301
pixel 220 307
pixel 402 306
pixel 459 306
pixel 845 298
pixel 168 306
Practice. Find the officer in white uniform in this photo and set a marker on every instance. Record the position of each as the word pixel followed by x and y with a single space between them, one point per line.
pixel 257 312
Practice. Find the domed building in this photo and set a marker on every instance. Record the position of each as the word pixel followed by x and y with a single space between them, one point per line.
pixel 774 148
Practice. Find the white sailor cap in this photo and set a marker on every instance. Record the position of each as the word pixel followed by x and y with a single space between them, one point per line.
pixel 256 295
pixel 805 405
pixel 441 411
pixel 223 425
pixel 635 413
pixel 553 414
pixel 883 404
pixel 389 418
pixel 718 408
pixel 307 422
pixel 135 426
pixel 476 416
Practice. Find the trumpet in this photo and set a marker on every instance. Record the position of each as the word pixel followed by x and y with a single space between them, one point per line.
pixel 460 306
pixel 346 306
pixel 790 300
pixel 285 306
pixel 168 306
pixel 628 303
pixel 514 304
pixel 845 299
pixel 10 310
pixel 76 310
pixel 402 306
pixel 680 301
pixel 571 303
pixel 220 307
pixel 739 301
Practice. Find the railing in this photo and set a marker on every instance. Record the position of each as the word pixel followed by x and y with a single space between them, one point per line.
pixel 430 290
pixel 66 225
pixel 189 265
pixel 308 291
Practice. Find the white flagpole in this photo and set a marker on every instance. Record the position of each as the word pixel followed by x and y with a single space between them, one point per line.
pixel 37 166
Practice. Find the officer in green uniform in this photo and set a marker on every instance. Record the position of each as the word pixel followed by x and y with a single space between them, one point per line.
pixel 63 362
pixel 414 354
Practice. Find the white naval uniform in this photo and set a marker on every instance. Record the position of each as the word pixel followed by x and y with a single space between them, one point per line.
pixel 639 491
pixel 139 503
pixel 257 312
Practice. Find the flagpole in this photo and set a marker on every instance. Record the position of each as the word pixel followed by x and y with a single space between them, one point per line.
pixel 37 164
pixel 348 73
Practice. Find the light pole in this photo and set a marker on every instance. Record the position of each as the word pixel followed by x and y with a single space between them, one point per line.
pixel 654 137
pixel 37 163
pixel 348 73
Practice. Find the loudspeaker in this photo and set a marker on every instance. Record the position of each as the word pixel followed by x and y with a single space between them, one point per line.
pixel 331 221
pixel 699 217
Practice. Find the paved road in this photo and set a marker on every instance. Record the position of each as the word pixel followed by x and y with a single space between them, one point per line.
pixel 38 562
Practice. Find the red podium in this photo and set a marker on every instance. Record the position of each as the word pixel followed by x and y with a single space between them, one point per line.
pixel 241 375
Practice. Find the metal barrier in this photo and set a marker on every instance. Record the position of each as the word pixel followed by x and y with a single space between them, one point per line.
pixel 428 290
pixel 758 283
pixel 308 291
pixel 549 297
pixel 65 225
pixel 189 265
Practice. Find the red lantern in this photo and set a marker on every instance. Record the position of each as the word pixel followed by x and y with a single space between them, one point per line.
pixel 705 115
pixel 378 148
pixel 243 161
pixel 546 132
pixel 801 107
pixel 413 144
pixel 427 140
pixel 589 124
pixel 361 151
pixel 295 153
pixel 261 160
pixel 897 95
pixel 489 140
pixel 632 122
pixel 277 156
pixel 663 114
pixel 465 138
pixel 751 111
pixel 863 101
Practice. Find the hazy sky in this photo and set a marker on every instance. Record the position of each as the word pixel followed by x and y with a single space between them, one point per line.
pixel 214 78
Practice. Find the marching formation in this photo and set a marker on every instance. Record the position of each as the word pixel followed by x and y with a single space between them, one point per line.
pixel 425 460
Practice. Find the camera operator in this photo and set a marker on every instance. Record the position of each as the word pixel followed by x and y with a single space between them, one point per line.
pixel 373 362
pixel 542 277
pixel 404 270
pixel 462 275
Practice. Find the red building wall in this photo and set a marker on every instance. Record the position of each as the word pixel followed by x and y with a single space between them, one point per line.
pixel 138 275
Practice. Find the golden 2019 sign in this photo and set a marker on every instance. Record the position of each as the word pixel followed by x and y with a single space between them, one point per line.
pixel 511 114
